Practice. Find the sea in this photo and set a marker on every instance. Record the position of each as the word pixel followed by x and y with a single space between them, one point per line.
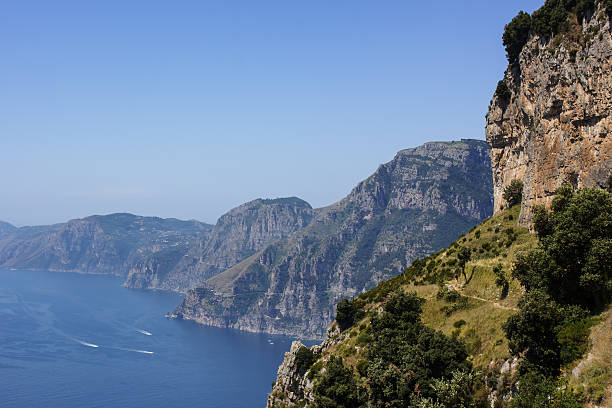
pixel 74 340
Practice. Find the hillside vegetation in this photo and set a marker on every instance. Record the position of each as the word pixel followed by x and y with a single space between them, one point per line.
pixel 497 316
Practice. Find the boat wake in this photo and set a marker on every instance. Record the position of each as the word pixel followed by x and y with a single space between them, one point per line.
pixel 146 333
pixel 86 344
pixel 135 351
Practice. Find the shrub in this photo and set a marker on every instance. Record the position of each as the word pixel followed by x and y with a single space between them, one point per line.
pixel 513 193
pixel 347 313
pixel 337 387
pixel 304 359
pixel 501 281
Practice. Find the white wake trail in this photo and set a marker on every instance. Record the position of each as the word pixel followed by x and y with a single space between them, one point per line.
pixel 86 344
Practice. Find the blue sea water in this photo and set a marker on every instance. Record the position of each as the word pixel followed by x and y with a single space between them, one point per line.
pixel 69 340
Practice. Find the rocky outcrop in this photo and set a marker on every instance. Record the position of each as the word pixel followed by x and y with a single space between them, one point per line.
pixel 237 235
pixel 410 207
pixel 292 386
pixel 107 244
pixel 554 126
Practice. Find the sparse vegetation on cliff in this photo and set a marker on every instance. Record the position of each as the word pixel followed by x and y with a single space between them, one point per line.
pixel 553 18
pixel 513 194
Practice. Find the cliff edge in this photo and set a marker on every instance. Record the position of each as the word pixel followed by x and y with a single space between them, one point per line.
pixel 549 120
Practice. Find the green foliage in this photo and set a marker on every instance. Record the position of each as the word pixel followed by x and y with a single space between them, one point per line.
pixel 516 34
pixel 304 359
pixel 574 339
pixel 567 276
pixel 347 313
pixel 459 323
pixel 513 193
pixel 406 356
pixel 549 20
pixel 362 367
pixel 539 391
pixel 573 263
pixel 501 281
pixel 548 334
pixel 458 392
pixel 338 388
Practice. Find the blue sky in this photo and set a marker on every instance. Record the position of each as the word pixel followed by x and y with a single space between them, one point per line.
pixel 188 108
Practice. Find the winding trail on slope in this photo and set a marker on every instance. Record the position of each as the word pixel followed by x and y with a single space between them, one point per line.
pixel 495 304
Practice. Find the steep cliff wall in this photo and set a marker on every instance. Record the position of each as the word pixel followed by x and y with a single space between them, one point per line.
pixel 410 207
pixel 554 124
pixel 237 235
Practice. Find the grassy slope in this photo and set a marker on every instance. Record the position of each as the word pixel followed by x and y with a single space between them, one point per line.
pixel 485 311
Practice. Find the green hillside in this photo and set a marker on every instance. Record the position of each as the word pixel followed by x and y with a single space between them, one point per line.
pixel 442 329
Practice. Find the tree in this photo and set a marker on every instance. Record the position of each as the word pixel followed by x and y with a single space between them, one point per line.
pixel 406 356
pixel 516 34
pixel 566 276
pixel 513 193
pixel 463 256
pixel 533 331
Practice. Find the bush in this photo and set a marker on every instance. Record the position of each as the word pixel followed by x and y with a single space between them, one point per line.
pixel 573 262
pixel 337 387
pixel 501 281
pixel 347 313
pixel 304 359
pixel 513 193
pixel 459 323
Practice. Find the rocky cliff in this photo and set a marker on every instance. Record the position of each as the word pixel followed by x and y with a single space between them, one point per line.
pixel 107 244
pixel 150 252
pixel 549 122
pixel 410 207
pixel 237 235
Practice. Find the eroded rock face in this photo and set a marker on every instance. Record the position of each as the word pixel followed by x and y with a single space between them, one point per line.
pixel 556 126
pixel 237 235
pixel 151 252
pixel 108 244
pixel 410 207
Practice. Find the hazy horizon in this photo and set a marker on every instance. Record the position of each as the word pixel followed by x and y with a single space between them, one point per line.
pixel 188 111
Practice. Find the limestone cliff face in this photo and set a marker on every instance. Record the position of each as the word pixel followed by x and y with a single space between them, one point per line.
pixel 410 207
pixel 237 235
pixel 555 127
pixel 107 244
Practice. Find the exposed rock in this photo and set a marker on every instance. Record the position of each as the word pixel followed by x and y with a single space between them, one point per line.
pixel 291 386
pixel 237 235
pixel 151 252
pixel 107 244
pixel 556 126
pixel 410 207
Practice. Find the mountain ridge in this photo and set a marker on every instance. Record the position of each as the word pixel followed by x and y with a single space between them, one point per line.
pixel 288 287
